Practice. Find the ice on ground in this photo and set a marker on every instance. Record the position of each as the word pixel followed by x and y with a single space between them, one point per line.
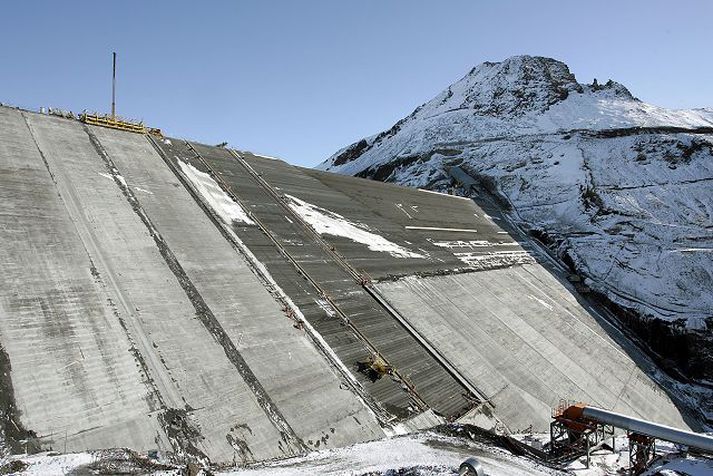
pixel 43 464
pixel 681 466
pixel 423 454
pixel 494 259
pixel 472 244
pixel 604 462
pixel 671 462
pixel 476 256
pixel 220 202
pixel 324 221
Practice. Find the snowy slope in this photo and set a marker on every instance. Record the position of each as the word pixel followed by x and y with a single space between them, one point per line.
pixel 621 189
pixel 428 453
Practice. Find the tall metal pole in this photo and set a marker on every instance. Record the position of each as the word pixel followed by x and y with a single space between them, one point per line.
pixel 113 87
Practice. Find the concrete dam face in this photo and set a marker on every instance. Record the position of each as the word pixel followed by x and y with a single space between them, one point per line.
pixel 158 294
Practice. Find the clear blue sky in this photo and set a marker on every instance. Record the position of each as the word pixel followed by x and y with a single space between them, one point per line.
pixel 300 79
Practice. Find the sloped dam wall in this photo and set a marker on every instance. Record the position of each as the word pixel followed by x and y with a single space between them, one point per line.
pixel 164 295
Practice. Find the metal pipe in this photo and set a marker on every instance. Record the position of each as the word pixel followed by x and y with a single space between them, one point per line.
pixel 471 467
pixel 643 427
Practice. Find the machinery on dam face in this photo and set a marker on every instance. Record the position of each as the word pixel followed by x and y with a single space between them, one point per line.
pixel 112 121
pixel 579 428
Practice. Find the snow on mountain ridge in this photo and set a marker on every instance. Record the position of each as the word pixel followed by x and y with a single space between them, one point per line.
pixel 522 95
pixel 512 87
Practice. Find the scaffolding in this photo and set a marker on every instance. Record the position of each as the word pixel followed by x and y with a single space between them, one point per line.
pixel 642 451
pixel 573 437
pixel 578 429
pixel 113 122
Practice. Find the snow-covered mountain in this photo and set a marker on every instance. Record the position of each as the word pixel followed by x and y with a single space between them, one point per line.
pixel 621 189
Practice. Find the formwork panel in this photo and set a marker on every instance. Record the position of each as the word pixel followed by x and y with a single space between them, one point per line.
pixel 434 384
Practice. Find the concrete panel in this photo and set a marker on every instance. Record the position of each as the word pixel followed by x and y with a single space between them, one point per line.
pixel 298 379
pixel 76 383
pixel 518 335
pixel 209 408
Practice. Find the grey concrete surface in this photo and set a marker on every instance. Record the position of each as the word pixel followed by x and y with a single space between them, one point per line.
pixel 176 348
pixel 297 378
pixel 130 315
pixel 520 336
pixel 76 385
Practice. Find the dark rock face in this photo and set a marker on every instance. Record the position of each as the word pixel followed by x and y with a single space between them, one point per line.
pixel 518 85
pixel 617 88
pixel 351 152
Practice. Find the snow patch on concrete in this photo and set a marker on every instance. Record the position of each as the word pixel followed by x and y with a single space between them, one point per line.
pixel 326 307
pixel 220 202
pixel 143 190
pixel 324 221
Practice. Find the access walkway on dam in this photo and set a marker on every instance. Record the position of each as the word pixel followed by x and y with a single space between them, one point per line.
pixel 162 294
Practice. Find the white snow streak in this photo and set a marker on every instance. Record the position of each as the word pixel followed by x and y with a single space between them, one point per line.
pixel 326 222
pixel 443 194
pixel 219 201
pixel 326 307
pixel 43 464
pixel 139 189
pixel 435 228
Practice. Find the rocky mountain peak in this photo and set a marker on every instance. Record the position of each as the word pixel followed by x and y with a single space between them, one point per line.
pixel 610 87
pixel 510 88
pixel 514 87
pixel 519 95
